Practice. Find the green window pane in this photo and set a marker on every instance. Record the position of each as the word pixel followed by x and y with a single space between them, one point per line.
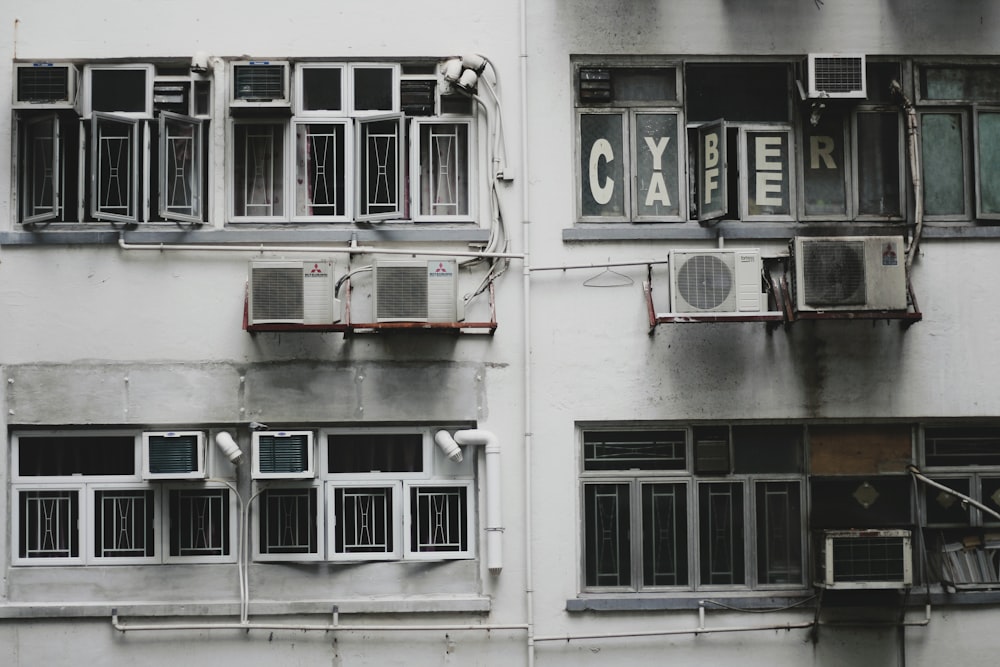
pixel 943 164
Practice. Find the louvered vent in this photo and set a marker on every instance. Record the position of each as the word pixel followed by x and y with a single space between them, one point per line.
pixel 173 455
pixel 834 273
pixel 416 97
pixel 260 82
pixel 277 293
pixel 837 76
pixel 282 454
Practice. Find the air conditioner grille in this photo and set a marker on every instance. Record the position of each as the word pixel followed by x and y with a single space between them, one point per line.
pixel 259 82
pixel 172 454
pixel 42 84
pixel 834 272
pixel 839 74
pixel 283 454
pixel 277 293
pixel 869 559
pixel 705 281
pixel 402 292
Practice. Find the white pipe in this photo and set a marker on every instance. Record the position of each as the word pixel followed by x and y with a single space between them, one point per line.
pixel 349 250
pixel 688 631
pixel 494 522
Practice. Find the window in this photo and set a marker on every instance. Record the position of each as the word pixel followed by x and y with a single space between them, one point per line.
pixel 963 540
pixel 356 142
pixel 720 140
pixel 384 494
pixel 959 122
pixel 693 508
pixel 132 153
pixel 80 499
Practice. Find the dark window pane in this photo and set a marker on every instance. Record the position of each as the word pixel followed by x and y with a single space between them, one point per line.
pixel 980 84
pixel 945 508
pixel 989 493
pixel 439 519
pixel 738 92
pixel 644 84
pixel 664 535
pixel 779 533
pixel 823 165
pixel 373 89
pixel 363 520
pixel 988 154
pixel 878 164
pixel 375 452
pixel 607 551
pixel 122 90
pixel 288 522
pixel 199 522
pixel 602 165
pixel 767 449
pixel 321 89
pixel 634 450
pixel 68 455
pixel 880 78
pixel 963 446
pixel 720 519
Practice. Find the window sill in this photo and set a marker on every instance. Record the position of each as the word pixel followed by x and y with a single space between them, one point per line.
pixel 693 231
pixel 374 605
pixel 101 235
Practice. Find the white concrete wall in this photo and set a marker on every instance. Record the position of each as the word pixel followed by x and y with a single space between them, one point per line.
pixel 76 321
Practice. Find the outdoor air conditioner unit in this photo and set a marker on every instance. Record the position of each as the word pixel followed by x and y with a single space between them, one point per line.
pixel 852 273
pixel 292 292
pixel 173 455
pixel 45 85
pixel 716 281
pixel 857 559
pixel 283 455
pixel 423 290
pixel 836 76
pixel 259 83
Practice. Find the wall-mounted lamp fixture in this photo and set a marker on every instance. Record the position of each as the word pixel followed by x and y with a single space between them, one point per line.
pixel 228 446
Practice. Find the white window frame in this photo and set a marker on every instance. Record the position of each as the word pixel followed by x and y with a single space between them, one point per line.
pixel 411 550
pixel 86 488
pixel 417 164
pixel 395 521
pixel 280 158
pixel 27 157
pixel 196 176
pixel 318 522
pixel 300 87
pixel 363 188
pixel 350 101
pixel 87 100
pixel 346 137
pixel 138 170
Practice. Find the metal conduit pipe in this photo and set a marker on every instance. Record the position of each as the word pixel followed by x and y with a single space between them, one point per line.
pixel 348 250
pixel 961 496
pixel 449 444
pixel 690 631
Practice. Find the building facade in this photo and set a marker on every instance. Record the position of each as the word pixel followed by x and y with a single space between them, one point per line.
pixel 532 333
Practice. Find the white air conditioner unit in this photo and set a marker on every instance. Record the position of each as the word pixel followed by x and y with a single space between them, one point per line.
pixel 45 85
pixel 415 290
pixel 292 292
pixel 283 455
pixel 259 83
pixel 848 273
pixel 856 559
pixel 173 455
pixel 834 75
pixel 716 281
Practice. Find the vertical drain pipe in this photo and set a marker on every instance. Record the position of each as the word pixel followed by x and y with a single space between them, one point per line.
pixel 491 446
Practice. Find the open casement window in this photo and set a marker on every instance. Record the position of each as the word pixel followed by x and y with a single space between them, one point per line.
pixel 181 156
pixel 258 187
pixel 116 167
pixel 379 167
pixel 987 151
pixel 713 172
pixel 442 173
pixel 41 175
pixel 322 153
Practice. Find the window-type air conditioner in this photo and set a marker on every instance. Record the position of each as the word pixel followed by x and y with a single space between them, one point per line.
pixel 259 83
pixel 173 455
pixel 716 281
pixel 283 455
pixel 865 559
pixel 850 273
pixel 416 290
pixel 836 76
pixel 44 86
pixel 292 292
